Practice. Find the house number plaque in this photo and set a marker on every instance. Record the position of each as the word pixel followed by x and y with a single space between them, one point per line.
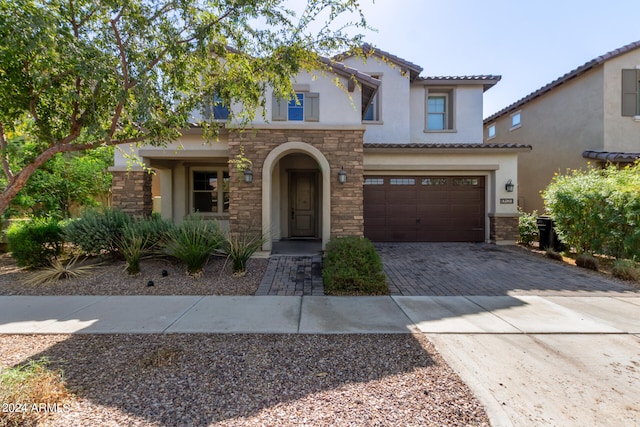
pixel 506 201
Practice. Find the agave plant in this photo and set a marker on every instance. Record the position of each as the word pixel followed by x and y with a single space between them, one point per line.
pixel 58 271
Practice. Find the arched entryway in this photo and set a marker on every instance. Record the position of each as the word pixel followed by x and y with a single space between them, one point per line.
pixel 296 193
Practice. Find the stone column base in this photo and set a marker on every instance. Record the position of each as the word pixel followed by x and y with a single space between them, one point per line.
pixel 504 229
pixel 131 192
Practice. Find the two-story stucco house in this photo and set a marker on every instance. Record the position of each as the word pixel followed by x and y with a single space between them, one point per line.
pixel 591 114
pixel 385 153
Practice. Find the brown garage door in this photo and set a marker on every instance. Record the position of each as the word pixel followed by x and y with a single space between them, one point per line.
pixel 424 208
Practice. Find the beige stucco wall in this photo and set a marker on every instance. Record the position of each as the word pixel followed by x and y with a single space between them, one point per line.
pixel 620 133
pixel 559 127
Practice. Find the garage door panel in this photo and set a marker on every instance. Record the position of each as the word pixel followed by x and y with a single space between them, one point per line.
pixel 437 209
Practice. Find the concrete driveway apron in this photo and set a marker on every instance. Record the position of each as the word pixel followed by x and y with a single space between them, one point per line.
pixel 539 343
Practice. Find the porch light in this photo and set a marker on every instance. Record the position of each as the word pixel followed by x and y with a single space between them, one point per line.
pixel 509 186
pixel 342 176
pixel 248 176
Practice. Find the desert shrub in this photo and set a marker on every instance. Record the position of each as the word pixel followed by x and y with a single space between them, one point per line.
pixel 97 232
pixel 587 261
pixel 528 227
pixel 239 246
pixel 59 271
pixel 353 267
pixel 550 253
pixel 36 242
pixel 193 241
pixel 598 210
pixel 155 230
pixel 626 270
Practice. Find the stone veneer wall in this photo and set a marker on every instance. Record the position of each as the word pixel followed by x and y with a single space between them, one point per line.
pixel 131 192
pixel 342 148
pixel 504 229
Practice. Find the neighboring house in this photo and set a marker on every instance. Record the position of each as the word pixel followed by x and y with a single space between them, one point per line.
pixel 591 114
pixel 385 153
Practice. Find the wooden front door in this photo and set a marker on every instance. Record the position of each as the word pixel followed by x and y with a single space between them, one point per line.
pixel 303 204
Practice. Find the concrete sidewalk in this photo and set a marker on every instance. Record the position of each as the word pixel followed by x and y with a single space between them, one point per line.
pixel 530 360
pixel 319 314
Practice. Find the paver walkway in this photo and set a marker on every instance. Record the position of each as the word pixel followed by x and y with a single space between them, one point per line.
pixel 289 275
pixel 441 269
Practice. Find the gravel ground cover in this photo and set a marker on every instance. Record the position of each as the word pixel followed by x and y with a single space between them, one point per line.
pixel 112 279
pixel 249 380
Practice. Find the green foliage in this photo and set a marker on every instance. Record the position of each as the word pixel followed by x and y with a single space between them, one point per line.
pixel 65 181
pixel 626 270
pixel 528 227
pixel 97 232
pixel 239 247
pixel 140 237
pixel 353 267
pixel 598 210
pixel 36 242
pixel 193 241
pixel 85 74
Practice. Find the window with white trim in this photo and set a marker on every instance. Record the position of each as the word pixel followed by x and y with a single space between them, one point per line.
pixel 439 110
pixel 210 191
pixel 491 131
pixel 516 120
pixel 631 92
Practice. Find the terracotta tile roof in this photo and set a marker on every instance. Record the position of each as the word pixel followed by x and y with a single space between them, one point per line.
pixel 611 156
pixel 414 70
pixel 479 147
pixel 570 75
pixel 487 80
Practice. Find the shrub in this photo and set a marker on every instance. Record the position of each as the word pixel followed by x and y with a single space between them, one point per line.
pixel 587 261
pixel 626 270
pixel 239 247
pixel 97 231
pixel 36 242
pixel 155 230
pixel 193 241
pixel 58 271
pixel 353 267
pixel 528 227
pixel 598 210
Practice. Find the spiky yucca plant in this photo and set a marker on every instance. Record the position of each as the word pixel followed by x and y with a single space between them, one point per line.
pixel 133 248
pixel 58 271
pixel 193 241
pixel 239 247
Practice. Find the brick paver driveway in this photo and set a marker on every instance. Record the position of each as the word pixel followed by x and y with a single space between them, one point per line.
pixel 483 269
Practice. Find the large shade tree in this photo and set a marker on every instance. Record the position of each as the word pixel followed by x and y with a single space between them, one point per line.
pixel 81 74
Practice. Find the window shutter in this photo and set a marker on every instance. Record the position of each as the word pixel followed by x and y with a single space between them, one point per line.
pixel 312 107
pixel 279 109
pixel 629 92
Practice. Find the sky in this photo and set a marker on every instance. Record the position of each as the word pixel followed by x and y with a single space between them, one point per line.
pixel 528 43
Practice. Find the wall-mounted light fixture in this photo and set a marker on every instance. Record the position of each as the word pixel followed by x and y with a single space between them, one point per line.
pixel 342 176
pixel 509 186
pixel 248 176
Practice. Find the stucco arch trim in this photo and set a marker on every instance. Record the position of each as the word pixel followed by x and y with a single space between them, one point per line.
pixel 267 186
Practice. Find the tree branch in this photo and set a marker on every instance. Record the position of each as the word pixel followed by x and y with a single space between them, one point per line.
pixel 5 155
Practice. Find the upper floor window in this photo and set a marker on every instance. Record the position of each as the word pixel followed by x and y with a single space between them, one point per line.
pixel 439 110
pixel 491 132
pixel 373 113
pixel 631 92
pixel 210 191
pixel 215 109
pixel 305 106
pixel 515 120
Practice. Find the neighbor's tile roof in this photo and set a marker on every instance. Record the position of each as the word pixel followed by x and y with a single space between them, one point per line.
pixel 570 75
pixel 472 146
pixel 611 156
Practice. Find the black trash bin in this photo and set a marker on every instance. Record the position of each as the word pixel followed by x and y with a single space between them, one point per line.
pixel 547 233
